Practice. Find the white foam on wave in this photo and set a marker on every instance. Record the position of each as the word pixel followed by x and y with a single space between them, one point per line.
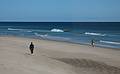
pixel 39 35
pixel 110 42
pixel 58 38
pixel 23 30
pixel 56 30
pixel 97 34
pixel 12 29
pixel 29 31
pixel 46 36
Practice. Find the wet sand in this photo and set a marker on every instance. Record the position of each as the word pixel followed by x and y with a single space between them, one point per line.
pixel 52 57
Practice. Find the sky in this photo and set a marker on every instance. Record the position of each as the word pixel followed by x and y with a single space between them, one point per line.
pixel 60 10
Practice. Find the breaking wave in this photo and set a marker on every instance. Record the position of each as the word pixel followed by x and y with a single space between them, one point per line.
pixel 56 30
pixel 96 34
pixel 24 30
pixel 110 42
pixel 39 35
pixel 27 30
pixel 46 36
pixel 12 29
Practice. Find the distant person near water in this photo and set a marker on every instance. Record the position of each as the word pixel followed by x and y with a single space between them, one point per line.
pixel 31 47
pixel 93 43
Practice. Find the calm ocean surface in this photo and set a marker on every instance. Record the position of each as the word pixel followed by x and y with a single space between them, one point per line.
pixel 105 34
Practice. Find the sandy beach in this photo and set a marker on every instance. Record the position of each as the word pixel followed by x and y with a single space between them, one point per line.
pixel 52 57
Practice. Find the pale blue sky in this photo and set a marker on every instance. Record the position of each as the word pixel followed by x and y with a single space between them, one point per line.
pixel 60 10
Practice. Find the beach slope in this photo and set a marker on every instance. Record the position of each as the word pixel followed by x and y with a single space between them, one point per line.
pixel 51 57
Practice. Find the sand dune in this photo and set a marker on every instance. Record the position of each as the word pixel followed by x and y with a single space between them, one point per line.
pixel 51 57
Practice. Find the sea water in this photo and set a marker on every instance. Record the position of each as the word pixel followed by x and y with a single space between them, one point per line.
pixel 105 34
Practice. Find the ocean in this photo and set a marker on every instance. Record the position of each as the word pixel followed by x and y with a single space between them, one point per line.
pixel 105 34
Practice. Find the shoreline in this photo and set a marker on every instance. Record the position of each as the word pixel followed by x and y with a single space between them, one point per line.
pixel 86 44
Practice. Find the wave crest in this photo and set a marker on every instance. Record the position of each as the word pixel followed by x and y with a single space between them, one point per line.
pixel 23 30
pixel 39 35
pixel 12 29
pixel 110 42
pixel 46 36
pixel 56 30
pixel 97 34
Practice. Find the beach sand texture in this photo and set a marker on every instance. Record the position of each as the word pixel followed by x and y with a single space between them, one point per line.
pixel 51 57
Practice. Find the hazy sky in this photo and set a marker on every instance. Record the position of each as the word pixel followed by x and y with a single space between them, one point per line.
pixel 60 10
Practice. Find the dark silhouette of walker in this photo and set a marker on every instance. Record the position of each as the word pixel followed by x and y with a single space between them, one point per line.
pixel 31 47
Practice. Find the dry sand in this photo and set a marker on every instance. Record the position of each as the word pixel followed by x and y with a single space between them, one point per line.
pixel 51 57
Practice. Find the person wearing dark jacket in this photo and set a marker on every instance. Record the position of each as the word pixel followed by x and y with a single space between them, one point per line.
pixel 31 47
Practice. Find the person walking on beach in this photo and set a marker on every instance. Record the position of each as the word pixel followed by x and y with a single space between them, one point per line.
pixel 92 43
pixel 31 47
